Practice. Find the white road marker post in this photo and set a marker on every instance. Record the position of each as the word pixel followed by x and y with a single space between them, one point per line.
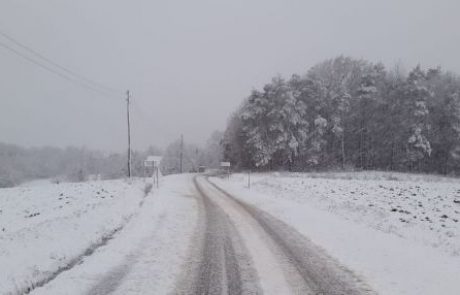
pixel 249 179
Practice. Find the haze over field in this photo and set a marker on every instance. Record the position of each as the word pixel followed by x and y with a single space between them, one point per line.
pixel 191 63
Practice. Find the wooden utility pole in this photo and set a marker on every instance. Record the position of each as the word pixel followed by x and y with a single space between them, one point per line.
pixel 181 151
pixel 128 95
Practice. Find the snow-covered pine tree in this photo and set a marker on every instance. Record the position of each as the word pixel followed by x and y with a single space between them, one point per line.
pixel 350 111
pixel 233 142
pixel 255 126
pixel 317 141
pixel 417 95
pixel 444 120
pixel 339 79
pixel 310 93
pixel 452 138
pixel 366 105
pixel 287 119
pixel 339 111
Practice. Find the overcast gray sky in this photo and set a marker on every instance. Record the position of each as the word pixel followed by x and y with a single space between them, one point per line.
pixel 189 63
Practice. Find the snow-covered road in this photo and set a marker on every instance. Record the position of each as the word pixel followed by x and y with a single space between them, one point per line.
pixel 200 236
pixel 271 256
pixel 193 238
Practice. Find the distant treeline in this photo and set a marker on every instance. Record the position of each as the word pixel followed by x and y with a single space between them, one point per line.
pixel 18 164
pixel 193 156
pixel 348 113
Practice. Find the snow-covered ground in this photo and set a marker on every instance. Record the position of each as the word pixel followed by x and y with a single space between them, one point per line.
pixel 45 226
pixel 400 232
pixel 147 255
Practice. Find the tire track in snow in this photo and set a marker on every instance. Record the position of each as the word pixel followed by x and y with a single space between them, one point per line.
pixel 219 262
pixel 273 277
pixel 320 274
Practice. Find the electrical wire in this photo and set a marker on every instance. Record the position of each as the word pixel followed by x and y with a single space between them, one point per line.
pixel 69 76
pixel 37 54
pixel 51 70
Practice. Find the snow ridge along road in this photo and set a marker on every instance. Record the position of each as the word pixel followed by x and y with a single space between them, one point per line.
pixel 240 249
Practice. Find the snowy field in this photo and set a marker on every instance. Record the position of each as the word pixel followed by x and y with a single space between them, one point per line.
pixel 146 256
pixel 418 207
pixel 400 232
pixel 45 227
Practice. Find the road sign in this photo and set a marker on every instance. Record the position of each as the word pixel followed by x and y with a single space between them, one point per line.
pixel 224 164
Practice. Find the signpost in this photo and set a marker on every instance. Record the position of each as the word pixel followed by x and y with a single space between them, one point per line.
pixel 226 166
pixel 154 162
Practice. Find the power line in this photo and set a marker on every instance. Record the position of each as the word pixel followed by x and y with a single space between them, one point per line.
pixel 68 75
pixel 51 70
pixel 55 64
pixel 80 82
